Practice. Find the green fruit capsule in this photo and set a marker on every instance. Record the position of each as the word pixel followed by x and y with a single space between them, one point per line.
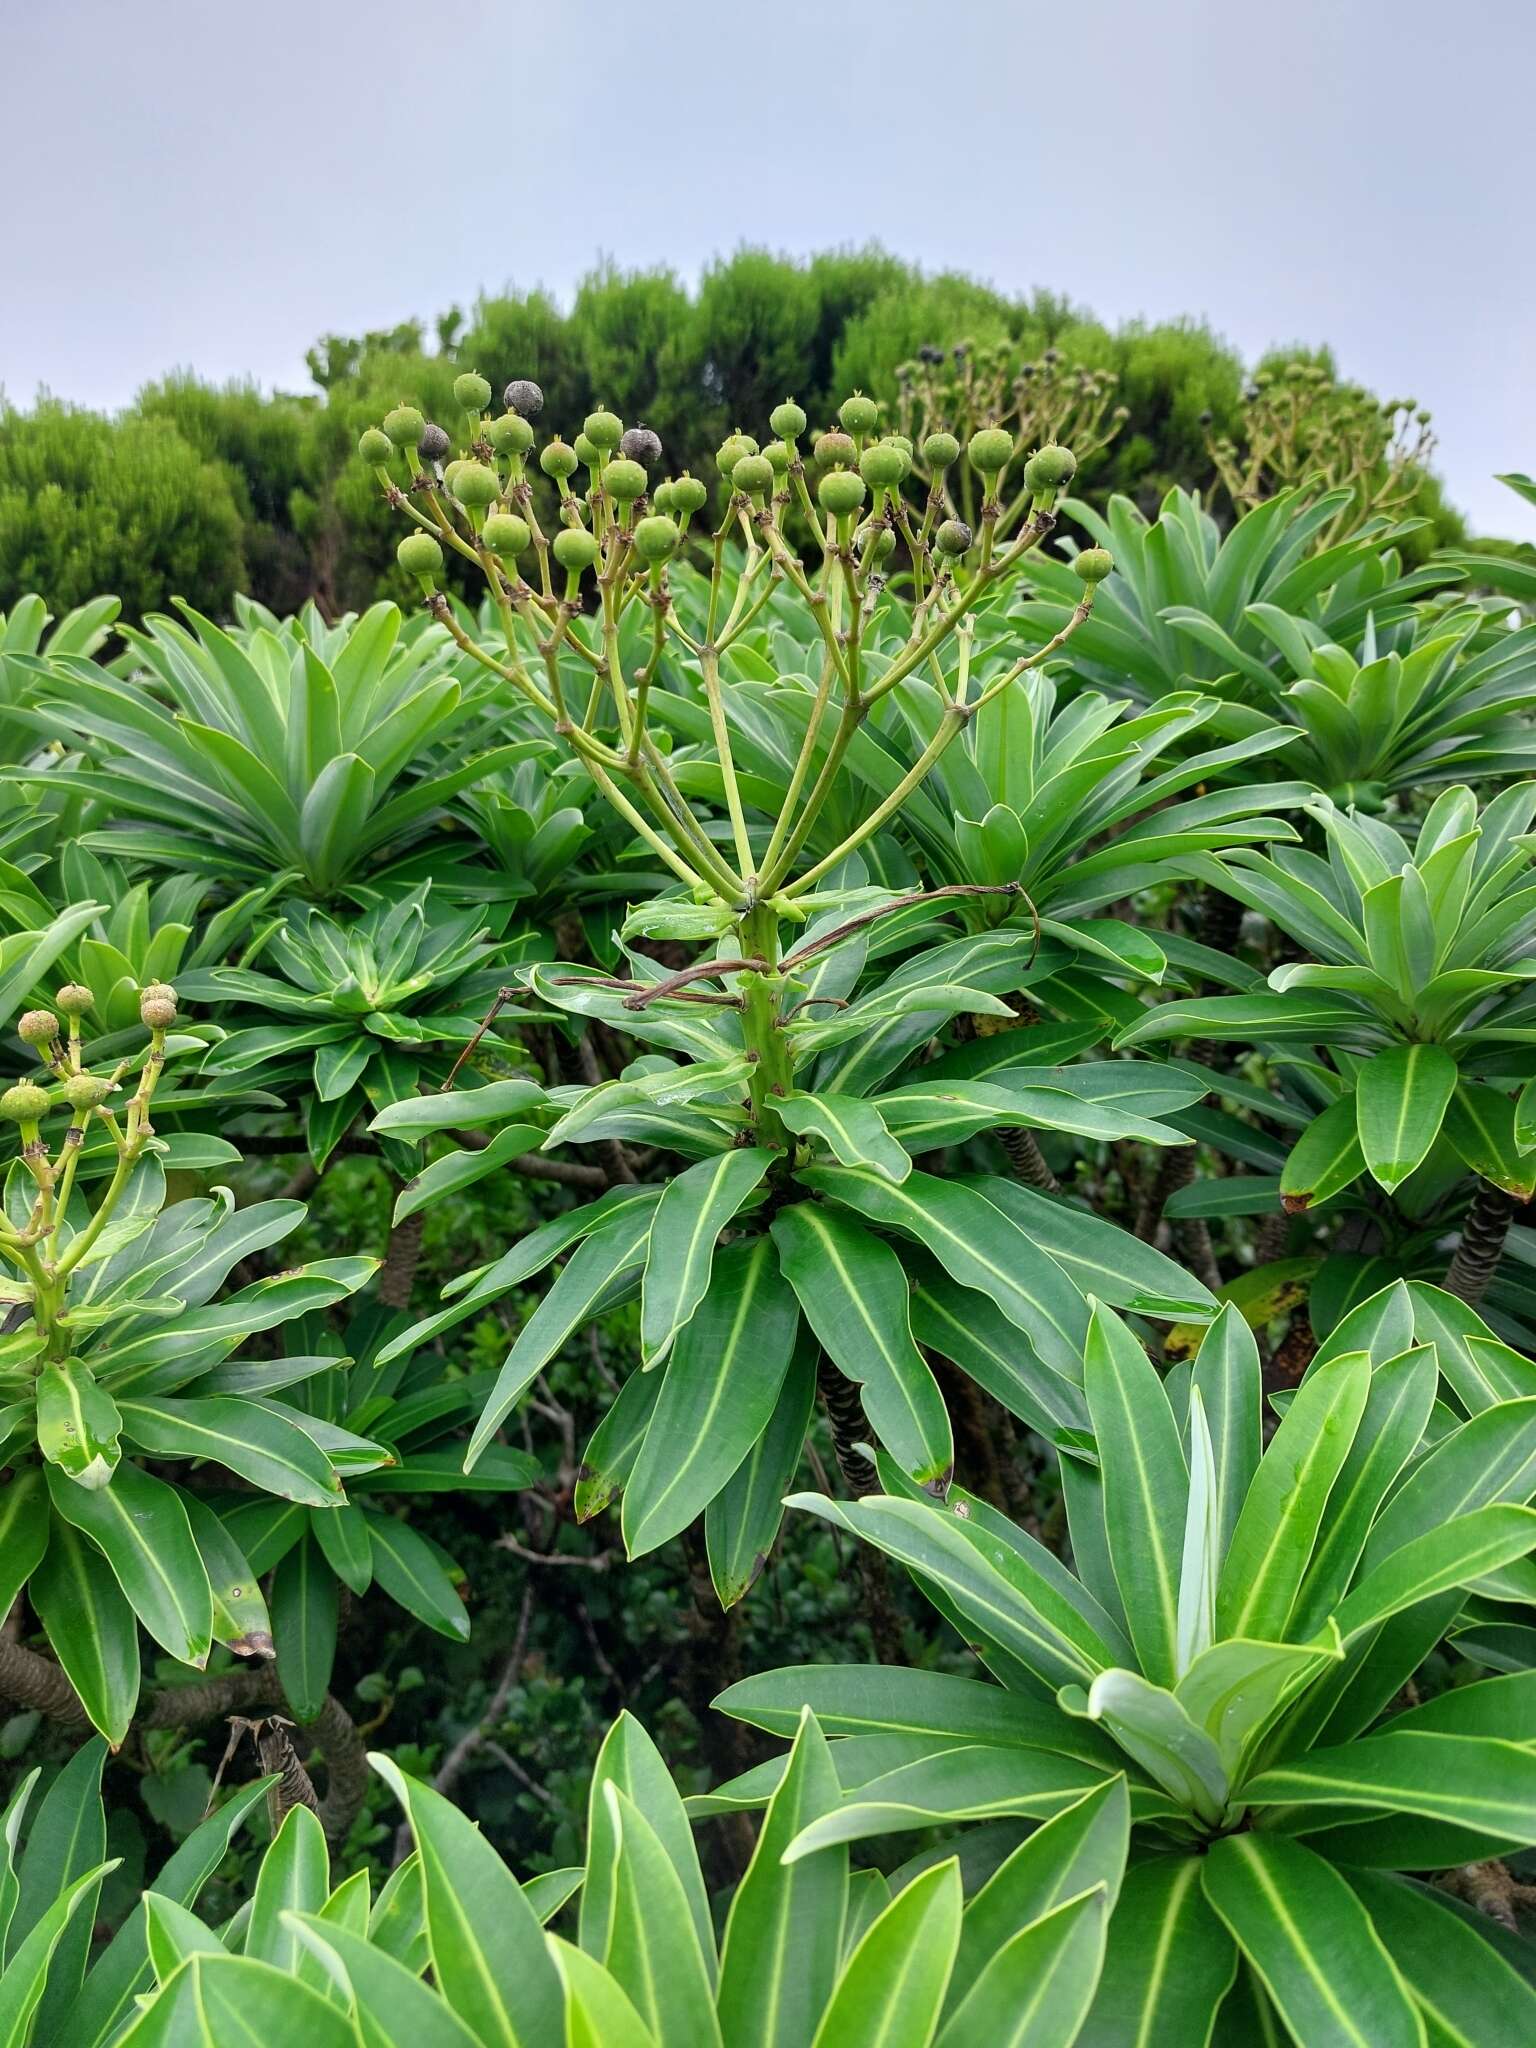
pixel 472 392
pixel 476 486
pixel 860 415
pixel 604 430
pixel 575 549
pixel 940 450
pixel 753 474
pixel 834 450
pixel 656 538
pixel 74 999
pixel 25 1103
pixel 506 534
pixel 404 425
pixel 688 494
pixel 777 455
pixel 1050 467
pixel 624 481
pixel 733 449
pixel 1092 564
pixel 953 537
pixel 661 497
pixel 788 420
pixel 419 555
pixel 991 450
pixel 841 492
pixel 87 1091
pixel 374 445
pixel 510 434
pixel 557 458
pixel 38 1027
pixel 883 465
pixel 877 542
pixel 588 454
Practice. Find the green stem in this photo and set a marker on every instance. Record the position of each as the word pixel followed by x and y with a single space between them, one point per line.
pixel 767 1046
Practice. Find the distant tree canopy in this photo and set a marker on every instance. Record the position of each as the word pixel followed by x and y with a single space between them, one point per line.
pixel 199 490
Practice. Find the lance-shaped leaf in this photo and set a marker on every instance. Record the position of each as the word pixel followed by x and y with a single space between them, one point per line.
pixel 653 1947
pixel 1468 1992
pixel 592 1269
pixel 394 2008
pixel 212 1999
pixel 1036 1990
pixel 1277 1527
pixel 894 1984
pixel 304 1615
pixel 460 1109
pixel 1100 1259
pixel 487 1948
pixel 1472 1781
pixel 1153 1728
pixel 25 1977
pixel 1265 1018
pixel 599 2013
pixel 1168 1965
pixel 1200 1562
pixel 615 1444
pixel 248 1437
pixel 1325 1158
pixel 1397 1411
pixel 1226 1376
pixel 852 1129
pixel 1020 1596
pixel 66 1840
pixel 1146 1488
pixel 458 1170
pixel 1400 1103
pixel 689 1218
pixel 977 1245
pixel 78 1424
pixel 408 1569
pixel 1457 1553
pixel 853 1293
pixel 1312 1943
pixel 24 1519
pixel 293 1876
pixel 1480 1123
pixel 630 1761
pixel 722 1381
pixel 140 1526
pixel 1082 1849
pixel 784 1934
pixel 742 1521
pixel 1237 1688
pixel 240 1618
pixel 1490 1458
pixel 90 1627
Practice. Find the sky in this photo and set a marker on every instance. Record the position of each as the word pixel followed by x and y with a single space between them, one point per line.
pixel 212 186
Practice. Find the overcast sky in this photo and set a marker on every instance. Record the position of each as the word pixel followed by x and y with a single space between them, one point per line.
pixel 215 186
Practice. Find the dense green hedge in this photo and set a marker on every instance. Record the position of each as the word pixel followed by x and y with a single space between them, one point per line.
pixel 198 490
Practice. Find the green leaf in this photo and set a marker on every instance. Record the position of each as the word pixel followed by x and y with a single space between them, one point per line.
pixel 1325 1158
pixel 1237 1688
pixel 1168 1965
pixel 342 1534
pixel 24 1520
pixel 172 1933
pixel 742 1522
pixel 459 1170
pixel 894 1984
pixel 722 1381
pixel 1037 1989
pixel 1455 1553
pixel 78 1424
pixel 459 1109
pixel 783 1937
pixel 1227 1377
pixel 1277 1527
pixel 695 1207
pixel 487 1948
pixel 218 2001
pixel 615 1444
pixel 1146 1487
pixel 248 1437
pixel 653 1950
pixel 29 1968
pixel 852 1129
pixel 1400 1102
pixel 1153 1727
pixel 975 1244
pixel 1480 1123
pixel 592 1269
pixel 853 1292
pixel 1200 1561
pixel 1101 1260
pixel 67 1841
pixel 294 1876
pixel 1469 1995
pixel 1472 1781
pixel 406 1568
pixel 1490 1458
pixel 1081 1850
pixel 304 1626
pixel 393 2008
pixel 140 1526
pixel 1311 1942
pixel 598 2011
pixel 630 1761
